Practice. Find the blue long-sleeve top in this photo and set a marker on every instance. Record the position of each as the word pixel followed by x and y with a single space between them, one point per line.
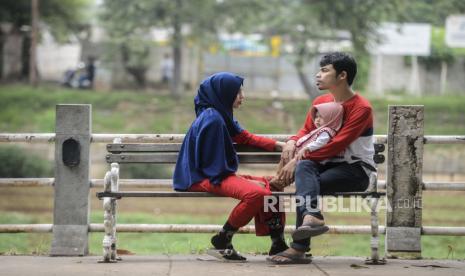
pixel 207 150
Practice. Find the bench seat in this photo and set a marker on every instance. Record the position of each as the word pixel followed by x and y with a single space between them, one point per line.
pixel 122 194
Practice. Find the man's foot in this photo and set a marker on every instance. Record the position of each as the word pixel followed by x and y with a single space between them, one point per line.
pixel 311 227
pixel 311 220
pixel 290 256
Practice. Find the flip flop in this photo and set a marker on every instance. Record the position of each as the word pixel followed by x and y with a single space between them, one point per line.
pixel 290 259
pixel 309 230
pixel 227 255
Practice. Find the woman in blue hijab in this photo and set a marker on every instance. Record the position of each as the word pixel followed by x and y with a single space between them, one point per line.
pixel 208 162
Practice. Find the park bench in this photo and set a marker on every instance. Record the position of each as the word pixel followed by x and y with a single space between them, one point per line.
pixel 166 153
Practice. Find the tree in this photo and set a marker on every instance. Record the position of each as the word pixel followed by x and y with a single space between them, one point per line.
pixel 184 19
pixel 307 24
pixel 63 17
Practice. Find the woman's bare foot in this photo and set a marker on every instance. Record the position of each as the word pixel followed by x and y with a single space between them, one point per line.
pixel 277 184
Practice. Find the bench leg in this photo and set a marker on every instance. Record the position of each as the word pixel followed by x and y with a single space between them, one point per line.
pixel 114 179
pixel 107 221
pixel 114 256
pixel 374 242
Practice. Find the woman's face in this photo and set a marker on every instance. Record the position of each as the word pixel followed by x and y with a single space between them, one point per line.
pixel 239 98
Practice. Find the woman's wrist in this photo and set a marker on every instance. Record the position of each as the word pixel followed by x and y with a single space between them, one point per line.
pixel 279 146
pixel 291 142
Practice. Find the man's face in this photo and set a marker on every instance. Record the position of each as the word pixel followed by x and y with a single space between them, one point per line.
pixel 326 77
pixel 239 98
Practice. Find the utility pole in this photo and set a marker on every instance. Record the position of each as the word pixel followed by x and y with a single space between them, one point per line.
pixel 34 38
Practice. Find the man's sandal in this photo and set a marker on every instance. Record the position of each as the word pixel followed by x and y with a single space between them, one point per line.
pixel 227 255
pixel 290 259
pixel 309 230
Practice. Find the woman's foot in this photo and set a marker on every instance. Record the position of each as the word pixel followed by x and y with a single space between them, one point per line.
pixel 223 248
pixel 276 247
pixel 277 184
pixel 221 242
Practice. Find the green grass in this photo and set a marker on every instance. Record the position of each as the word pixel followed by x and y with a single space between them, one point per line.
pixel 25 109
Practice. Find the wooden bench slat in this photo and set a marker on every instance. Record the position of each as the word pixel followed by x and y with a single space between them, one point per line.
pixel 166 147
pixel 171 158
pixel 203 194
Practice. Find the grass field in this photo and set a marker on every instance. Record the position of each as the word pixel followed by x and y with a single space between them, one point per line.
pixel 34 205
pixel 23 109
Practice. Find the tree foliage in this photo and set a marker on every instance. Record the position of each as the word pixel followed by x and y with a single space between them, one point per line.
pixel 129 27
pixel 307 24
pixel 62 17
pixel 436 13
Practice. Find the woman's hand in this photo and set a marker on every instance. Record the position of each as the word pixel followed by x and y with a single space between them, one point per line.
pixel 287 172
pixel 288 151
pixel 279 146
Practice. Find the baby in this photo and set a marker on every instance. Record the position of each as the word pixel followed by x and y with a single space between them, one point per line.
pixel 327 120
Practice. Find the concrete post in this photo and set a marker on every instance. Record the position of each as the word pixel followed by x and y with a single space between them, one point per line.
pixel 404 181
pixel 72 163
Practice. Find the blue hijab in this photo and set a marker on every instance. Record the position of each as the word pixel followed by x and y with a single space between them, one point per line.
pixel 207 150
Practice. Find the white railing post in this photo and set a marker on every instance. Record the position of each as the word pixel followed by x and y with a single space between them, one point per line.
pixel 404 181
pixel 72 182
pixel 111 184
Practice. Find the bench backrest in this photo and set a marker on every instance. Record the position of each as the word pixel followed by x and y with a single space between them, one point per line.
pixel 166 153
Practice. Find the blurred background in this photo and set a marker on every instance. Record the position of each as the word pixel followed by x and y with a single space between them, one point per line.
pixel 139 64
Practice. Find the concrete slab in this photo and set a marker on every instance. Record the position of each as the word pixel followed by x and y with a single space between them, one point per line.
pixel 198 265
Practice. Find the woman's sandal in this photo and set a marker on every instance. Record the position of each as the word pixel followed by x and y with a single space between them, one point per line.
pixel 290 259
pixel 227 255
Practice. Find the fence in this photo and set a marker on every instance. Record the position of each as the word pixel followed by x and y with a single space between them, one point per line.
pixel 72 183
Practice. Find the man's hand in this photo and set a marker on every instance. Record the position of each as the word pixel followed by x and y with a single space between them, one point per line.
pixel 288 151
pixel 287 172
pixel 300 155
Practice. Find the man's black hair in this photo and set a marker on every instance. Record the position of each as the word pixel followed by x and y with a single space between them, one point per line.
pixel 341 62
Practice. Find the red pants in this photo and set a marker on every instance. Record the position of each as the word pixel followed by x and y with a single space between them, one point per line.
pixel 251 195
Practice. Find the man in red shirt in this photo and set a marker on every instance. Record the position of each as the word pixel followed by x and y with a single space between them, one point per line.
pixel 342 165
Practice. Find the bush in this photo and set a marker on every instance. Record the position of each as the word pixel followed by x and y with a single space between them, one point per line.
pixel 17 163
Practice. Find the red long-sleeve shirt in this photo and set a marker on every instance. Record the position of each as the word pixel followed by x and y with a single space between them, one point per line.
pixel 247 138
pixel 354 141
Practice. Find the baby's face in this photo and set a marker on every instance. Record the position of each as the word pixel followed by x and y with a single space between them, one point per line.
pixel 318 120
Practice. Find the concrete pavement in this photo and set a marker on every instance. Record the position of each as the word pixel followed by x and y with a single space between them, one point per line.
pixel 199 265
